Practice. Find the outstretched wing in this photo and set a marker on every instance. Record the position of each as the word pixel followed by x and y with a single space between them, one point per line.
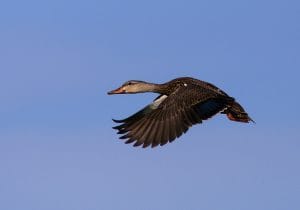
pixel 168 117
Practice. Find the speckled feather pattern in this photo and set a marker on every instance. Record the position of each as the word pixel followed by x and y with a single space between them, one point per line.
pixel 183 103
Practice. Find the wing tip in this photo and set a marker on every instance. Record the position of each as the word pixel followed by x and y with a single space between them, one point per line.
pixel 118 121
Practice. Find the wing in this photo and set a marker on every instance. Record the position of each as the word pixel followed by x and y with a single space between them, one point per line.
pixel 168 117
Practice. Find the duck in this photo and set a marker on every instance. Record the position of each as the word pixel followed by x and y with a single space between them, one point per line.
pixel 181 103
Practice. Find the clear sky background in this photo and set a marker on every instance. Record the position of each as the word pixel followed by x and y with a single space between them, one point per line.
pixel 59 58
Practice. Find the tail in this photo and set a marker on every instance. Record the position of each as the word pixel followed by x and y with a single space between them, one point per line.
pixel 236 112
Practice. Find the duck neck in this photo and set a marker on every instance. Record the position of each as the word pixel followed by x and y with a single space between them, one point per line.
pixel 150 87
pixel 159 88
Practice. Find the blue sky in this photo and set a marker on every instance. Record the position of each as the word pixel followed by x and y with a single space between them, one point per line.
pixel 58 60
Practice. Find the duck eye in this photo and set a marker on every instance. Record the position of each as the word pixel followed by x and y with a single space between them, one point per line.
pixel 129 83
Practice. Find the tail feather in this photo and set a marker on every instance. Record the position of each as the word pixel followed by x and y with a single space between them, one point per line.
pixel 236 112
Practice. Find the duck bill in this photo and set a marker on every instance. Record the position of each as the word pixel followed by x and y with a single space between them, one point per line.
pixel 119 90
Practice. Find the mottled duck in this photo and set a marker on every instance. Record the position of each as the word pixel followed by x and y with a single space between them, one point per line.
pixel 182 102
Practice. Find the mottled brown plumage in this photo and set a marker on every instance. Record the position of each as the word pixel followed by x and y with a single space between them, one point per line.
pixel 182 103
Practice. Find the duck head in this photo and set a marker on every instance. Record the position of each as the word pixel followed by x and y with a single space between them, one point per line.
pixel 133 86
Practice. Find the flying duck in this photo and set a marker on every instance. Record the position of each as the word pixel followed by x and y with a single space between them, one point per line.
pixel 182 103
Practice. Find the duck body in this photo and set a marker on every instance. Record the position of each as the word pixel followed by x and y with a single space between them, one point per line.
pixel 182 103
